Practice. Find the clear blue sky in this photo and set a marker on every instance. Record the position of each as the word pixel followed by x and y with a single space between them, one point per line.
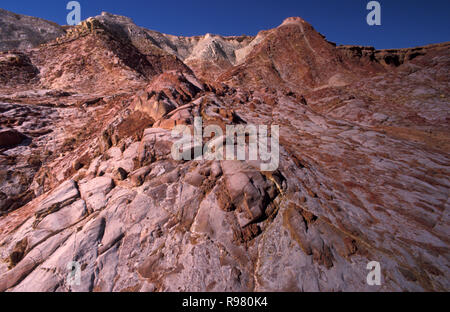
pixel 405 23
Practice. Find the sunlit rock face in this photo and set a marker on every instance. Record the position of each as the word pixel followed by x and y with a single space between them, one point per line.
pixel 87 173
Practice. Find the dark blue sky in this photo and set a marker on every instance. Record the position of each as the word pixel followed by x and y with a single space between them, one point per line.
pixel 405 23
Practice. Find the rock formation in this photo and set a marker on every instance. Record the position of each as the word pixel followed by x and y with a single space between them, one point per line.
pixel 87 175
pixel 20 32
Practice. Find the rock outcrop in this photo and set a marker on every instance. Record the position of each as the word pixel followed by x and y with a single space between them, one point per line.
pixel 19 32
pixel 87 173
pixel 10 138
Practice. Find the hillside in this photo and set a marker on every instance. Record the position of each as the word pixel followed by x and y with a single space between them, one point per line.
pixel 87 172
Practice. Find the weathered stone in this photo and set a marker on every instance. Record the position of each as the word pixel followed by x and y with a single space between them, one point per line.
pixel 31 261
pixel 94 192
pixel 64 217
pixel 155 106
pixel 138 176
pixel 64 195
pixel 29 31
pixel 351 185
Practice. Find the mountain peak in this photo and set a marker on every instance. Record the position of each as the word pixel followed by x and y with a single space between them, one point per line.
pixel 294 20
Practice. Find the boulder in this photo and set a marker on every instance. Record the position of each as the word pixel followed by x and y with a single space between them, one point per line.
pixel 94 192
pixel 64 218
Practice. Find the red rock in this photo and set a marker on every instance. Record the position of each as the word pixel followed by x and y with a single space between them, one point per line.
pixel 363 171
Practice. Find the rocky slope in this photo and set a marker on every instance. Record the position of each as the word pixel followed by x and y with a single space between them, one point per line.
pixel 86 172
pixel 20 31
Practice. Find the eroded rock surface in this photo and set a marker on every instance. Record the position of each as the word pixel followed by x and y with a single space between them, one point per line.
pixel 87 173
pixel 21 32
